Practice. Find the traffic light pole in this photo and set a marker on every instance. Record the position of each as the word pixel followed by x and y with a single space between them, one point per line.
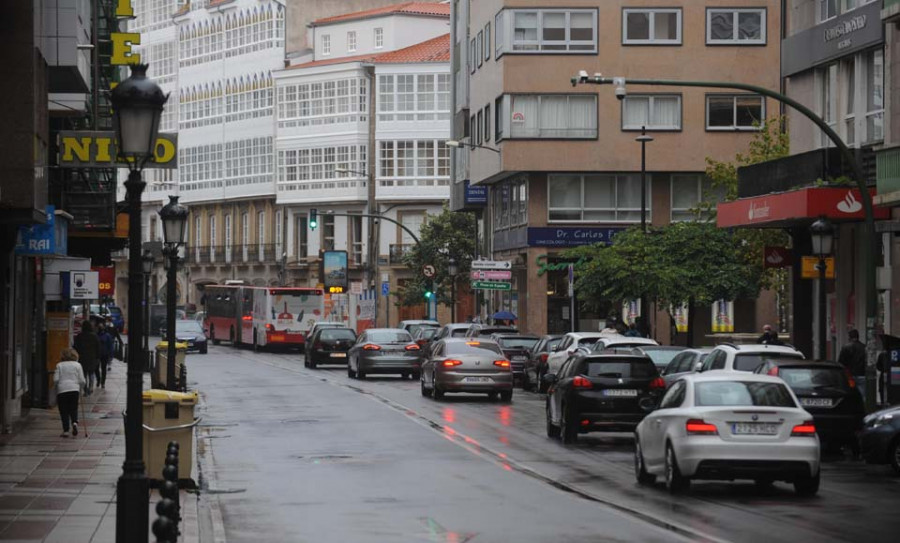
pixel 371 216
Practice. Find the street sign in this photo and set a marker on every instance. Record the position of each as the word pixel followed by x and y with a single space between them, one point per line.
pixel 480 275
pixel 385 288
pixel 809 270
pixel 428 270
pixel 491 265
pixel 491 285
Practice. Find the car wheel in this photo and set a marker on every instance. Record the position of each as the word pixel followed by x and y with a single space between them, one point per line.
pixel 506 396
pixel 492 396
pixel 552 429
pixel 435 389
pixel 640 470
pixel 350 373
pixel 567 429
pixel 675 482
pixel 312 363
pixel 894 455
pixel 807 486
pixel 425 391
pixel 212 334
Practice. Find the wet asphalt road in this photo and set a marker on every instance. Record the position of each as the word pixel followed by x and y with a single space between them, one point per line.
pixel 301 455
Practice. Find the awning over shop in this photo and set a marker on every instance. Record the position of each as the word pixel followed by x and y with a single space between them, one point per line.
pixel 794 207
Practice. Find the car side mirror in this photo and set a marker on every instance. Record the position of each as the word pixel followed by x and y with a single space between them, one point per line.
pixel 555 349
pixel 698 367
pixel 549 378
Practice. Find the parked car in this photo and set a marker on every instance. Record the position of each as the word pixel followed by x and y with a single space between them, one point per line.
pixel 319 325
pixel 424 335
pixel 731 357
pixel 479 330
pixel 456 329
pixel 570 343
pixel 536 364
pixel 726 425
pixel 601 392
pixel 466 365
pixel 515 348
pixel 412 326
pixel 687 361
pixel 828 392
pixel 879 438
pixel 190 332
pixel 384 350
pixel 329 346
pixel 661 355
pixel 618 341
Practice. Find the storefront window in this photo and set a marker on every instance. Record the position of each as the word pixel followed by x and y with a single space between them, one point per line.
pixel 509 204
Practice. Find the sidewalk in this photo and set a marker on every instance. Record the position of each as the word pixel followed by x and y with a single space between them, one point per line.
pixel 56 489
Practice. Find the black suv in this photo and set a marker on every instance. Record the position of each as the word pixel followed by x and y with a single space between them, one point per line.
pixel 515 348
pixel 601 392
pixel 828 392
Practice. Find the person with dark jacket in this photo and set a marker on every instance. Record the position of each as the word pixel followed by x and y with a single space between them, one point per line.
pixel 107 348
pixel 88 346
pixel 769 336
pixel 853 357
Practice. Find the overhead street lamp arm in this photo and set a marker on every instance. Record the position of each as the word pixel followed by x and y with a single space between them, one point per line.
pixel 458 143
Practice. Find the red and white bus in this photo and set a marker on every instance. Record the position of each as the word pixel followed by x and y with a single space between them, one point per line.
pixel 262 316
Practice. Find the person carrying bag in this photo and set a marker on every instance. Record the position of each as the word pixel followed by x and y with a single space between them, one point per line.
pixel 68 380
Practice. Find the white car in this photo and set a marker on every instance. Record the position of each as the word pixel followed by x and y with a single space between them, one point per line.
pixel 731 357
pixel 621 341
pixel 725 426
pixel 570 343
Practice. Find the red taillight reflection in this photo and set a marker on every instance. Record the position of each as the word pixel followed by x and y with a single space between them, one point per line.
pixel 501 363
pixel 582 382
pixel 544 357
pixel 413 347
pixel 850 380
pixel 371 347
pixel 807 429
pixel 658 383
pixel 451 363
pixel 773 371
pixel 270 327
pixel 700 427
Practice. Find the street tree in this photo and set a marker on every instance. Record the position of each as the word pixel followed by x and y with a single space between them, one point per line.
pixel 442 237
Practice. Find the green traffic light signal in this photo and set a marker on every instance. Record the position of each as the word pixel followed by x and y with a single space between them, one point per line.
pixel 428 294
pixel 313 221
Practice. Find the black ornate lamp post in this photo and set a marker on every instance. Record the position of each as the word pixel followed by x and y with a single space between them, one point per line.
pixel 174 219
pixel 147 261
pixel 138 105
pixel 822 233
pixel 453 270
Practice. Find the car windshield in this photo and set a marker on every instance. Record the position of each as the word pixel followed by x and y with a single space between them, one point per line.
pixel 475 348
pixel 751 361
pixel 661 357
pixel 814 378
pixel 389 336
pixel 518 342
pixel 188 327
pixel 428 332
pixel 413 328
pixel 625 369
pixel 337 333
pixel 742 393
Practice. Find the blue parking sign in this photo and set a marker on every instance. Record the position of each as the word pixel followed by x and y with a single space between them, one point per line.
pixel 385 288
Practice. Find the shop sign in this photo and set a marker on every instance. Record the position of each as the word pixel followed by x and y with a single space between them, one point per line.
pixel 810 271
pixel 88 149
pixel 81 285
pixel 570 236
pixel 475 195
pixel 777 257
pixel 544 266
pixel 841 203
pixel 50 238
pixel 107 278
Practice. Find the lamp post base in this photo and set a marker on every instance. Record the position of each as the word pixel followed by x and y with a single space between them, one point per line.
pixel 132 509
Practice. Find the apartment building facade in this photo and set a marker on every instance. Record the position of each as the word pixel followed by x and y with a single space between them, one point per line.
pixel 563 167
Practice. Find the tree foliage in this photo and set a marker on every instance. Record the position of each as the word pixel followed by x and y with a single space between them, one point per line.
pixel 442 237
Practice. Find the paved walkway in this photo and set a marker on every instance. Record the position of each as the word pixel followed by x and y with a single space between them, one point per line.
pixel 55 489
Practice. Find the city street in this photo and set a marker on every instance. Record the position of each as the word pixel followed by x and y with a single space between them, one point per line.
pixel 311 455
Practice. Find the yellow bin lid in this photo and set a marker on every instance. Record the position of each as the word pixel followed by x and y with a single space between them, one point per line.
pixel 156 395
pixel 164 345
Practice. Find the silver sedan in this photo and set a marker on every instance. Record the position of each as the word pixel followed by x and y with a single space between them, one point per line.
pixel 384 350
pixel 467 365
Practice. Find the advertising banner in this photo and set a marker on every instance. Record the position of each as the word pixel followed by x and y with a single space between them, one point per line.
pixel 723 316
pixel 334 271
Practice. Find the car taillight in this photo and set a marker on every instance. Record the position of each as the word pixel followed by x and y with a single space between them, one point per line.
pixel 773 371
pixel 582 382
pixel 807 429
pixel 658 383
pixel 850 380
pixel 451 363
pixel 371 347
pixel 501 363
pixel 270 327
pixel 544 357
pixel 698 427
pixel 413 347
pixel 421 342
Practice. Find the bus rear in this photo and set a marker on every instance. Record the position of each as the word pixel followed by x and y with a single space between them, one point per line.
pixel 289 313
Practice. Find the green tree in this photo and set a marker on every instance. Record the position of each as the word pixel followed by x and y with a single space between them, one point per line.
pixel 445 236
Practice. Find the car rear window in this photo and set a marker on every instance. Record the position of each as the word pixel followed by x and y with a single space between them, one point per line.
pixel 473 348
pixel 751 361
pixel 814 378
pixel 625 369
pixel 587 341
pixel 388 336
pixel 518 342
pixel 337 333
pixel 742 393
pixel 552 343
pixel 459 332
pixel 662 357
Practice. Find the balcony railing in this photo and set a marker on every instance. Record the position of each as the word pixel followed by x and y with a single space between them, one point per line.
pixel 397 252
pixel 218 254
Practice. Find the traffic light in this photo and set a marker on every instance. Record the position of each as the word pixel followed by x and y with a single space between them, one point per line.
pixel 429 289
pixel 313 221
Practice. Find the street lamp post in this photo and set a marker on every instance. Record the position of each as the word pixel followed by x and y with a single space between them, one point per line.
pixel 147 261
pixel 453 270
pixel 138 105
pixel 644 139
pixel 822 234
pixel 174 218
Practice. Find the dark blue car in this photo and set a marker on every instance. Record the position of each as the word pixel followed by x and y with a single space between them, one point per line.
pixel 118 320
pixel 880 437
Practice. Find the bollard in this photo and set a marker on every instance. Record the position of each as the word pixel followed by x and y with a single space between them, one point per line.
pixel 166 508
pixel 164 530
pixel 170 476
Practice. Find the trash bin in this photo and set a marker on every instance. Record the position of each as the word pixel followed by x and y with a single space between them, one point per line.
pixel 169 416
pixel 160 376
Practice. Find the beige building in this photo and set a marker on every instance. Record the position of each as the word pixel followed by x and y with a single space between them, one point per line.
pixel 565 168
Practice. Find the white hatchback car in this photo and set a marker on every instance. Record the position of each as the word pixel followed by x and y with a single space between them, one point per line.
pixel 731 357
pixel 725 426
pixel 570 343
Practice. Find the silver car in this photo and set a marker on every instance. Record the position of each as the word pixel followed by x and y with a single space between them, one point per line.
pixel 384 350
pixel 467 365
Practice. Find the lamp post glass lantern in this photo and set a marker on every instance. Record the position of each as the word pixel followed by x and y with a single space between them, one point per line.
pixel 174 217
pixel 138 104
pixel 822 234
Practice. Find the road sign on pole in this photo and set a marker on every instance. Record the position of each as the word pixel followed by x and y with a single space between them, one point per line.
pixel 491 265
pixel 385 288
pixel 491 285
pixel 428 270
pixel 490 275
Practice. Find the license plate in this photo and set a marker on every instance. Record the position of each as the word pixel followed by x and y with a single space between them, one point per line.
pixel 816 402
pixel 338 355
pixel 520 358
pixel 754 428
pixel 477 380
pixel 277 337
pixel 620 392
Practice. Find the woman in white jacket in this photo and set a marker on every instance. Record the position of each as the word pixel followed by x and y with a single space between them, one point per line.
pixel 69 379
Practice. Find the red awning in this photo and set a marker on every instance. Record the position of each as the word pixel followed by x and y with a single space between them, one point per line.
pixel 796 206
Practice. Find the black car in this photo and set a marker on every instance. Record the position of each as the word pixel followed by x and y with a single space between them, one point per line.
pixel 516 348
pixel 329 346
pixel 879 438
pixel 478 330
pixel 605 392
pixel 536 365
pixel 827 392
pixel 191 333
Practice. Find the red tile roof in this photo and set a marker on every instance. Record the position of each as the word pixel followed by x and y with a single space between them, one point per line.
pixel 329 61
pixel 433 50
pixel 406 8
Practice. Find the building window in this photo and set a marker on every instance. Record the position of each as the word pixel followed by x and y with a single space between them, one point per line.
pixel 228 233
pixel 552 116
pixel 479 48
pixel 687 191
pixel 323 103
pixel 245 229
pixel 651 26
pixel 213 241
pixel 734 111
pixel 653 111
pixel 828 9
pixel 596 197
pixel 744 26
pixel 487 123
pixel 278 234
pixel 379 38
pixel 261 227
pixel 827 78
pixel 408 163
pixel 479 123
pixel 327 232
pixel 875 95
pixel 848 70
pixel 198 232
pixel 408 97
pixel 510 204
pixel 326 44
pixel 487 42
pixel 351 42
pixel 546 31
pixel 356 240
pixel 302 237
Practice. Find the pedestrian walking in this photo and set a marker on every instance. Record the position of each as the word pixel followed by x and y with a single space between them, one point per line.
pixel 69 380
pixel 106 351
pixel 117 339
pixel 769 336
pixel 632 331
pixel 88 346
pixel 853 357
